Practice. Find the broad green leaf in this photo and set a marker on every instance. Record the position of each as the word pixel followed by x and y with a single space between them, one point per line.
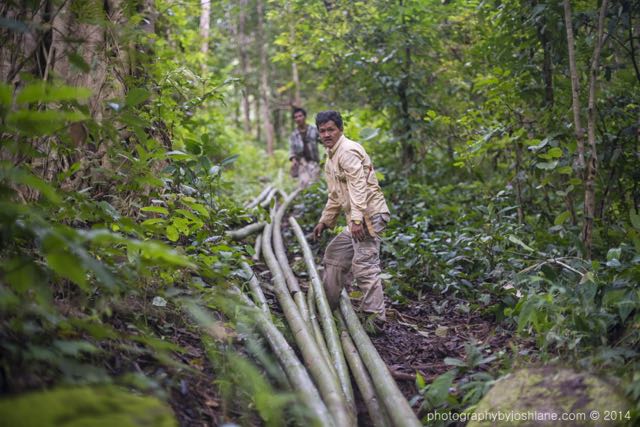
pixel 193 147
pixel 78 61
pixel 155 209
pixel 420 382
pixel 21 176
pixel 43 92
pixel 452 361
pixel 172 233
pixel 229 160
pixel 560 219
pixel 614 253
pixel 634 217
pixel 68 266
pixel 5 95
pixel 202 210
pixel 554 153
pixel 438 391
pixel 565 170
pixel 45 122
pixel 547 165
pixel 137 96
pixel 517 241
pixel 153 221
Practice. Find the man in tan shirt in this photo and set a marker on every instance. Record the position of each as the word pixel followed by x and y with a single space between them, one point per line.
pixel 354 189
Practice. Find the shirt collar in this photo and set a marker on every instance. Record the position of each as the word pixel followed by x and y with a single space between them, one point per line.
pixel 332 151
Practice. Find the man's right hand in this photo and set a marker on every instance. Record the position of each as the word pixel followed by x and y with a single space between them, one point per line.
pixel 318 229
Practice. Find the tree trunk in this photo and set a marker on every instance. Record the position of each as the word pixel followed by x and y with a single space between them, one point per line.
pixel 244 65
pixel 297 99
pixel 295 78
pixel 547 66
pixel 592 166
pixel 406 136
pixel 264 79
pixel 205 7
pixel 575 84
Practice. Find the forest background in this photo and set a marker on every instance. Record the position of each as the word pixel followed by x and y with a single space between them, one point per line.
pixel 505 135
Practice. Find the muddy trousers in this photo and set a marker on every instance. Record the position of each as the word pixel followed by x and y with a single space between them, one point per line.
pixel 344 255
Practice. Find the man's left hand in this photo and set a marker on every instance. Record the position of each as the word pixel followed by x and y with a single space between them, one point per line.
pixel 357 231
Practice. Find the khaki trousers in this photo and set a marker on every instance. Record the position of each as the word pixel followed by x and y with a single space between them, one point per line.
pixel 308 173
pixel 345 255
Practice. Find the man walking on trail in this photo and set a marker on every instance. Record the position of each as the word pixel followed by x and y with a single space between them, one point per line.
pixel 303 152
pixel 353 188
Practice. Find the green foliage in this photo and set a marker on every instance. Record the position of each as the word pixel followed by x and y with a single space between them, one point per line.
pixel 85 406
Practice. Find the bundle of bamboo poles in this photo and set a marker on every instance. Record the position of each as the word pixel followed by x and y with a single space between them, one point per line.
pixel 331 353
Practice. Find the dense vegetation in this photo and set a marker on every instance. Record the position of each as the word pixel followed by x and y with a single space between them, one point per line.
pixel 132 132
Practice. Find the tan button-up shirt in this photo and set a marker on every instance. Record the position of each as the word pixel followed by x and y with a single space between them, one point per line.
pixel 353 186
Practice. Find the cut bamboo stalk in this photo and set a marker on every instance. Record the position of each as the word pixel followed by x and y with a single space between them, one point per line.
pixel 252 204
pixel 267 200
pixel 296 372
pixel 245 231
pixel 377 413
pixel 281 255
pixel 396 405
pixel 327 384
pixel 256 290
pixel 326 316
pixel 317 332
pixel 257 248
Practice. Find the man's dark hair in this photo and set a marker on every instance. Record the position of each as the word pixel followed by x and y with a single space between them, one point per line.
pixel 329 116
pixel 298 110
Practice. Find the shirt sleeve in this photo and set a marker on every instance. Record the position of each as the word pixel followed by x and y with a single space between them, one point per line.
pixel 351 163
pixel 292 153
pixel 331 211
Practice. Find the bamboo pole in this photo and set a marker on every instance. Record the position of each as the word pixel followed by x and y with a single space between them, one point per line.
pixel 326 317
pixel 256 290
pixel 252 204
pixel 295 370
pixel 257 248
pixel 245 231
pixel 267 200
pixel 397 406
pixel 281 255
pixel 317 332
pixel 327 384
pixel 376 410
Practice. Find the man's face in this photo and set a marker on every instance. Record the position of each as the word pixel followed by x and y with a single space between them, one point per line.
pixel 329 133
pixel 299 118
